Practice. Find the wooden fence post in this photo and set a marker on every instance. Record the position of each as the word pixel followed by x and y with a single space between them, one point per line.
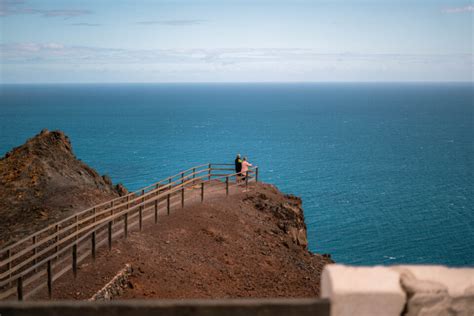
pixel 168 203
pixel 9 254
pixel 74 260
pixel 246 179
pixel 34 250
pixel 125 225
pixel 140 218
pixel 157 188
pixel 95 212
pixel 93 245
pixel 202 191
pixel 50 280
pixel 140 211
pixel 209 173
pixel 34 242
pixel 56 239
pixel 182 190
pixel 77 225
pixel 128 202
pixel 156 211
pixel 110 235
pixel 227 185
pixel 256 174
pixel 19 288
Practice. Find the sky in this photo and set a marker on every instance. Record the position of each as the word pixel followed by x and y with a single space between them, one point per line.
pixel 57 41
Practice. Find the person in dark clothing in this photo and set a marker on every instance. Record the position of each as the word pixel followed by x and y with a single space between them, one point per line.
pixel 238 167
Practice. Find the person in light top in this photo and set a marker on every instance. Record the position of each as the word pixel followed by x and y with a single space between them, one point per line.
pixel 245 167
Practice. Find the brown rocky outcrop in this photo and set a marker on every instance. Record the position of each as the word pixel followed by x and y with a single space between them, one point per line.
pixel 251 243
pixel 286 210
pixel 42 181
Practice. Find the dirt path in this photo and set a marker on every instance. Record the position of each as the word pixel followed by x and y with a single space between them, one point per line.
pixel 225 247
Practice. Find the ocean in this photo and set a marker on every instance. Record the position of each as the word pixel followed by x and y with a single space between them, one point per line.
pixel 385 171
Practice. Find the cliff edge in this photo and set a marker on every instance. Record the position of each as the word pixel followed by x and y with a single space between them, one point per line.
pixel 251 243
pixel 42 181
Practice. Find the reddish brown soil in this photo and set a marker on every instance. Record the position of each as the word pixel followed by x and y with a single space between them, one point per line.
pixel 42 182
pixel 245 245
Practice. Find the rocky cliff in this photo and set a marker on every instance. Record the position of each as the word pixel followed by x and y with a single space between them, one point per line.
pixel 251 243
pixel 286 210
pixel 42 181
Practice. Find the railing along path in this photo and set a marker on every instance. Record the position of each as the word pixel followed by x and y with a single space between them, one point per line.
pixel 39 259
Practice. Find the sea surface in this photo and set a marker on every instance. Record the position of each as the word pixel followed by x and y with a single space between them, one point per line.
pixel 385 170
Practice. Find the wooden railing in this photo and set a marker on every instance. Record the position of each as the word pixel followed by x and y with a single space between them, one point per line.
pixel 39 259
pixel 209 307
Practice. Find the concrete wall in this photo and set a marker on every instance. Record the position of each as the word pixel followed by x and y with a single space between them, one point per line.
pixel 399 290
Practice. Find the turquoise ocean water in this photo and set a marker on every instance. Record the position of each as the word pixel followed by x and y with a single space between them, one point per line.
pixel 385 170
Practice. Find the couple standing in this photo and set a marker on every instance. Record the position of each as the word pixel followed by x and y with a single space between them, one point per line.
pixel 241 167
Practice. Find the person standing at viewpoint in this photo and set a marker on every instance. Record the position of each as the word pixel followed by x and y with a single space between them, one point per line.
pixel 238 167
pixel 245 167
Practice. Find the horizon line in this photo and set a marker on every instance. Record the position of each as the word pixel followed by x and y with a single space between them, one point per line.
pixel 232 82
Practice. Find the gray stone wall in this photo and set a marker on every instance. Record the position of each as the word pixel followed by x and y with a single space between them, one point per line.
pixel 115 287
pixel 408 290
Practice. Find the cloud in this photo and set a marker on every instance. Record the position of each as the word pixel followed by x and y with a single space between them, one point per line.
pixel 18 7
pixel 53 46
pixel 172 22
pixel 57 53
pixel 69 13
pixel 468 8
pixel 33 62
pixel 85 24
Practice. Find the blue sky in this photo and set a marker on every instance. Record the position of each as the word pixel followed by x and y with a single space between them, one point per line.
pixel 235 41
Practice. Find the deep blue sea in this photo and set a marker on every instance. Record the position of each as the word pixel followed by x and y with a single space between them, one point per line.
pixel 385 170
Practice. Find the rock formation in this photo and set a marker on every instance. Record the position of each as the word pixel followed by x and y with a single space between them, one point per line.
pixel 251 243
pixel 42 181
pixel 288 213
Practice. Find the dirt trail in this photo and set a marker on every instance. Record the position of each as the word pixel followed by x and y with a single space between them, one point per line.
pixel 249 244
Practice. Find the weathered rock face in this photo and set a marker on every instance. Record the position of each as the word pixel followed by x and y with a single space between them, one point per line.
pixel 437 290
pixel 288 212
pixel 407 290
pixel 42 181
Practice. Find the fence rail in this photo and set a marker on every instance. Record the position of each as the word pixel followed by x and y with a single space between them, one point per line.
pixel 39 259
pixel 201 307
